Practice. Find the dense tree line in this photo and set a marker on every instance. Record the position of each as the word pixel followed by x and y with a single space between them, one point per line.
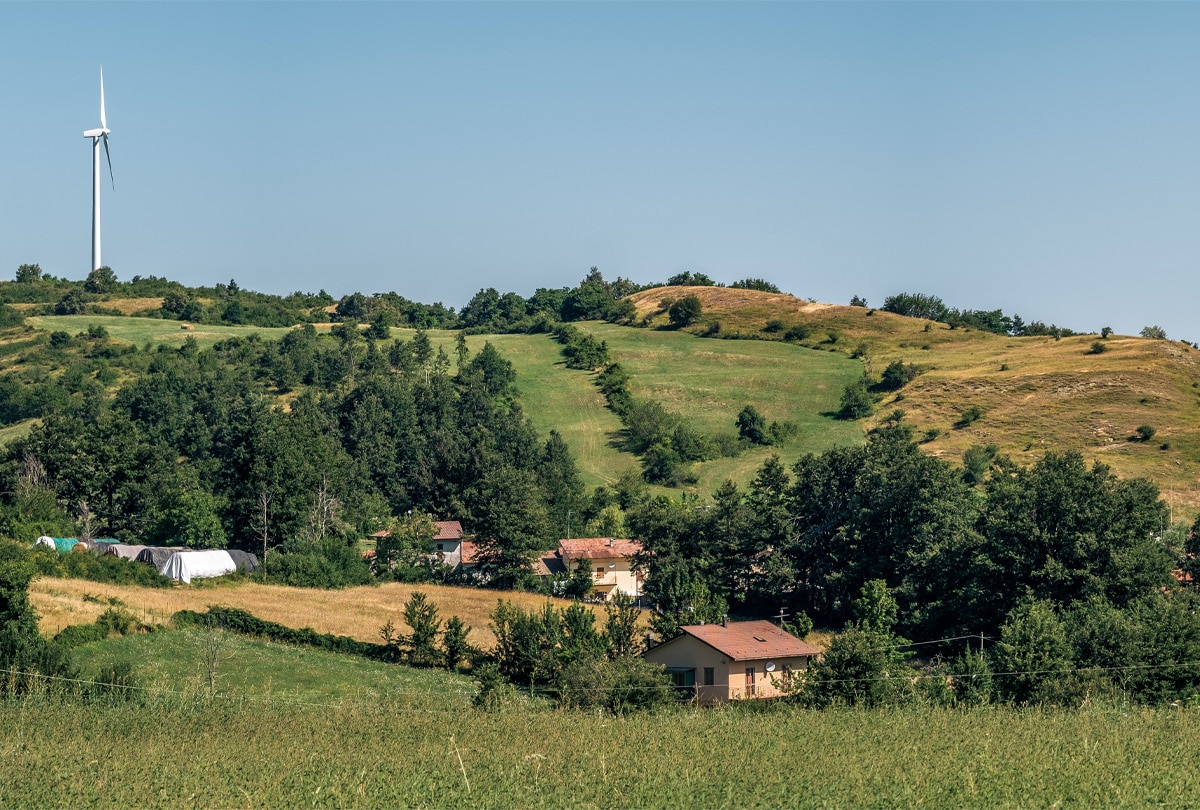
pixel 1059 566
pixel 199 449
pixel 931 308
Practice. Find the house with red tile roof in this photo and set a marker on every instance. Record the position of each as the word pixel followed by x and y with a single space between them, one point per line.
pixel 733 660
pixel 610 561
pixel 446 546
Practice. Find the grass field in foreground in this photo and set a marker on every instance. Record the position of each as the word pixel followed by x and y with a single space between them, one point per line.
pixel 172 663
pixel 385 752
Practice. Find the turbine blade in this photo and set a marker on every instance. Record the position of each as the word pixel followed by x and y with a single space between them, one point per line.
pixel 103 125
pixel 109 158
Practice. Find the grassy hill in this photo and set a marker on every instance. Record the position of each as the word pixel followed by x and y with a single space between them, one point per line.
pixel 707 381
pixel 1035 393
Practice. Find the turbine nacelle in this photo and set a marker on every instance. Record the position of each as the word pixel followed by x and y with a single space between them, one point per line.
pixel 96 133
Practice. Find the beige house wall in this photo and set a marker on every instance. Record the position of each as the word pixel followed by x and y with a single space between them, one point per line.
pixel 618 575
pixel 729 676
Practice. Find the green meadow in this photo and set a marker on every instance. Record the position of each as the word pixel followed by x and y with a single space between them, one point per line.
pixel 299 727
pixel 707 381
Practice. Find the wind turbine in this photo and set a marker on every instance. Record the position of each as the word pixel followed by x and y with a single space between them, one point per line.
pixel 98 135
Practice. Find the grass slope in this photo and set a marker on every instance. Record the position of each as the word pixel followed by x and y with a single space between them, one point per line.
pixel 173 663
pixel 1036 393
pixel 356 612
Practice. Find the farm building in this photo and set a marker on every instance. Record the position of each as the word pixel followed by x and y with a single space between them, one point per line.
pixel 733 660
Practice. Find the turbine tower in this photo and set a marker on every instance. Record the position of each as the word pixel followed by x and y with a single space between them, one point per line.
pixel 98 135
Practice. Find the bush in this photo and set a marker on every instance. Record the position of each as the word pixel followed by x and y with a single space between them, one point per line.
pixel 626 684
pixel 1097 348
pixel 1154 332
pixel 797 332
pixel 856 401
pixel 1144 433
pixel 969 416
pixel 685 312
pixel 897 375
pixel 774 325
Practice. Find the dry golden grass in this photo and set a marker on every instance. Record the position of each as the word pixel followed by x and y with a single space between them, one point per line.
pixel 1036 393
pixel 128 306
pixel 355 612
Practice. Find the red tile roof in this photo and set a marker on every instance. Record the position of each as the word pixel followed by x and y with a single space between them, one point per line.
pixel 598 548
pixel 448 530
pixel 745 641
pixel 470 552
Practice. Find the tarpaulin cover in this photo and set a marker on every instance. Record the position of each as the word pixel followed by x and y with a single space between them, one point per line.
pixel 244 560
pixel 123 550
pixel 188 565
pixel 156 555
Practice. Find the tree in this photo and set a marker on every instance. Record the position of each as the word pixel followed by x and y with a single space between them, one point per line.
pixel 1033 654
pixel 1154 332
pixel 23 651
pixel 916 305
pixel 620 626
pixel 455 646
pixel 403 553
pixel 421 616
pixel 29 274
pixel 75 302
pixel 752 426
pixel 685 312
pixel 101 280
pixel 856 401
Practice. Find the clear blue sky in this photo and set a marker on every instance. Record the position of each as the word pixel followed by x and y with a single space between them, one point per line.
pixel 1037 157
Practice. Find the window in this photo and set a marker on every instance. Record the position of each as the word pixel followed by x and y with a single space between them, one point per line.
pixel 684 681
pixel 749 680
pixel 710 676
pixel 440 548
pixel 599 572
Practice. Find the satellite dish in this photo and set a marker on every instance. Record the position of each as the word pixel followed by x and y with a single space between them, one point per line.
pixel 770 666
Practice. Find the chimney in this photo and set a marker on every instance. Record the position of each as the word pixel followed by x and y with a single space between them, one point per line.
pixel 725 620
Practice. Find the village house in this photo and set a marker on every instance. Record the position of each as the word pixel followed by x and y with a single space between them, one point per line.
pixel 732 660
pixel 446 546
pixel 610 561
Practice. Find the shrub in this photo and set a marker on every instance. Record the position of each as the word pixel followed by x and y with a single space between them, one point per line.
pixel 797 332
pixel 1097 348
pixel 897 375
pixel 685 312
pixel 1144 433
pixel 626 684
pixel 752 426
pixel 856 401
pixel 1154 332
pixel 969 416
pixel 774 325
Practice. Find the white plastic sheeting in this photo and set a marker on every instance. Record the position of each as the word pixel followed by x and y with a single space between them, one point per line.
pixel 186 565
